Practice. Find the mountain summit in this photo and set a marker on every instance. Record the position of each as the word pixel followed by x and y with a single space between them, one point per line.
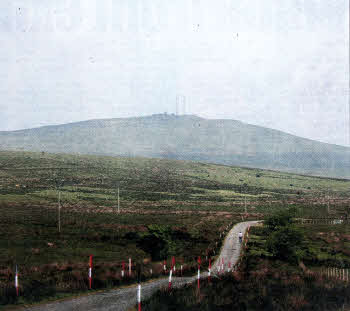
pixel 186 137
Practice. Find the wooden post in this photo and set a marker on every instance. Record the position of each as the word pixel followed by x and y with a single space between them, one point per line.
pixel 118 202
pixel 59 211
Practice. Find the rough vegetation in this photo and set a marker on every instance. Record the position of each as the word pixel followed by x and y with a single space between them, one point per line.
pixel 268 280
pixel 167 208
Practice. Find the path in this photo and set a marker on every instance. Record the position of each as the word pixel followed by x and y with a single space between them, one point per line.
pixel 124 298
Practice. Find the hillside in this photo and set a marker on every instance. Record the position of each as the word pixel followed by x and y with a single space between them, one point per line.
pixel 187 204
pixel 188 137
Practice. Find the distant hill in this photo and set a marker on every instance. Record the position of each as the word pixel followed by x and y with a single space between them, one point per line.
pixel 187 137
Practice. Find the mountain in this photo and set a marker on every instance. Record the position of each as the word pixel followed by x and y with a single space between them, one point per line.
pixel 187 137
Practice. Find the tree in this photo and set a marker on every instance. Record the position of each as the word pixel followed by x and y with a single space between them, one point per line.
pixel 285 243
pixel 280 219
pixel 157 241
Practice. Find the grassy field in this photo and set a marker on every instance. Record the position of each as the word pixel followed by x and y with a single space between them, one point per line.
pixel 264 282
pixel 179 207
pixel 152 184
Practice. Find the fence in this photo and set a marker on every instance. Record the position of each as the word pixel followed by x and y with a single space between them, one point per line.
pixel 322 221
pixel 334 273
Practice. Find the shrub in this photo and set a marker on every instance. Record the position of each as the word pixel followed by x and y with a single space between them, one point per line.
pixel 285 243
pixel 280 219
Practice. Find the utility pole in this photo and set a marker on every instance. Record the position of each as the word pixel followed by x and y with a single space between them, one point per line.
pixel 59 211
pixel 118 202
pixel 328 202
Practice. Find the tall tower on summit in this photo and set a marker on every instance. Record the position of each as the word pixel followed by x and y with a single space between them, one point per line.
pixel 180 105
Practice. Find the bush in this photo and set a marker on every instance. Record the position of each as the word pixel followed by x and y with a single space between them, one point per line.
pixel 280 219
pixel 285 243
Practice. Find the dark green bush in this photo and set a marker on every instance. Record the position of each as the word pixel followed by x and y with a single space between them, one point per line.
pixel 285 243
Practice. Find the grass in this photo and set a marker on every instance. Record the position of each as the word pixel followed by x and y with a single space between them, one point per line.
pixel 195 200
pixel 267 283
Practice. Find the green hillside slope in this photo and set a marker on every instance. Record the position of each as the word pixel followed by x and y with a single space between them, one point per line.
pixel 186 138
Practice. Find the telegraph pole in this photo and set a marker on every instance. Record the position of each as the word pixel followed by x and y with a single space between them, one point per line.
pixel 59 211
pixel 328 209
pixel 118 202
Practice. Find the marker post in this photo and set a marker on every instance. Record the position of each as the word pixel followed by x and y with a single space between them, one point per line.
pixel 139 297
pixel 170 275
pixel 123 268
pixel 16 282
pixel 209 270
pixel 129 267
pixel 173 264
pixel 199 272
pixel 138 268
pixel 90 272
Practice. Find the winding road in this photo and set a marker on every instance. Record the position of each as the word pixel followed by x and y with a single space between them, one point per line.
pixel 124 298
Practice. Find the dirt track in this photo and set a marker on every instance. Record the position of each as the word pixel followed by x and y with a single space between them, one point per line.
pixel 124 298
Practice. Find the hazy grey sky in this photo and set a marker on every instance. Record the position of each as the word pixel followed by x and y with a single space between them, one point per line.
pixel 277 63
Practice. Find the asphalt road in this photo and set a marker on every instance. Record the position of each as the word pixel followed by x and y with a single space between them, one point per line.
pixel 124 298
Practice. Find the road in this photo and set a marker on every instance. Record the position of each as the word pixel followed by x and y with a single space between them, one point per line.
pixel 124 298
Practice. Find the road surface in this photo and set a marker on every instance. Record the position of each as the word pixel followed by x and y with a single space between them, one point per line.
pixel 124 298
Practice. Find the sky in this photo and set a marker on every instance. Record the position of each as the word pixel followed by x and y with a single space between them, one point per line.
pixel 282 64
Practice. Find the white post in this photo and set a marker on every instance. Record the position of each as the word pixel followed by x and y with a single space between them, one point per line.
pixel 170 275
pixel 139 296
pixel 16 282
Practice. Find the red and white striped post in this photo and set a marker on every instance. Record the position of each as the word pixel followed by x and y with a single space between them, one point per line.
pixel 139 297
pixel 123 268
pixel 229 267
pixel 164 266
pixel 170 275
pixel 209 270
pixel 130 267
pixel 222 264
pixel 199 272
pixel 181 269
pixel 173 264
pixel 16 282
pixel 90 272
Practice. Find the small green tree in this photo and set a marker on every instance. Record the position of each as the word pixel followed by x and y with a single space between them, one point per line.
pixel 285 243
pixel 280 219
pixel 157 241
